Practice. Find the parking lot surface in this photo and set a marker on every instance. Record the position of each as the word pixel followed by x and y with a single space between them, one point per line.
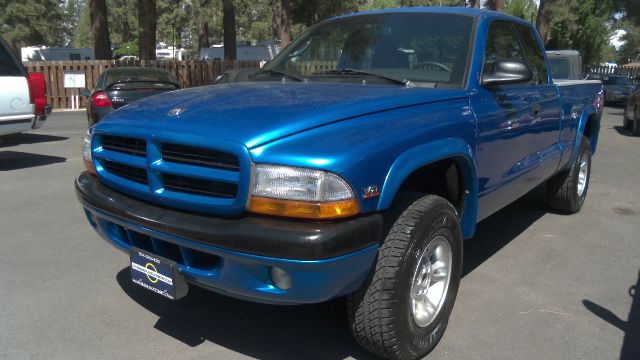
pixel 536 285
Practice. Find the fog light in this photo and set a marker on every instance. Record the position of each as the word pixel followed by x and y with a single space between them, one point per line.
pixel 280 278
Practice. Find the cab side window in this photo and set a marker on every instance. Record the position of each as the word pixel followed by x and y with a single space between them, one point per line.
pixel 502 44
pixel 533 54
pixel 9 66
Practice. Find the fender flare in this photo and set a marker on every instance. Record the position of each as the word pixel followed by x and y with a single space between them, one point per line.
pixel 414 158
pixel 587 113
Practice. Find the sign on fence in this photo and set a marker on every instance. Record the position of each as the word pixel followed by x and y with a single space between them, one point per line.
pixel 74 79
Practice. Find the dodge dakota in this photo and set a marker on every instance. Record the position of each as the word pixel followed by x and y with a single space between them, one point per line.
pixel 353 164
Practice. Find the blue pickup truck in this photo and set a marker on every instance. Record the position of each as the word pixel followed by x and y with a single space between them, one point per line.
pixel 354 164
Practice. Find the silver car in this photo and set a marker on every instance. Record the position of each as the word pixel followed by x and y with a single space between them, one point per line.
pixel 17 113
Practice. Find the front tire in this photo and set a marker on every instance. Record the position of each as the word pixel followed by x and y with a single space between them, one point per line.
pixel 402 311
pixel 567 190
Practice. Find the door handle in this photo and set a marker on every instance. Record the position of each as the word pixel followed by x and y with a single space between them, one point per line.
pixel 535 109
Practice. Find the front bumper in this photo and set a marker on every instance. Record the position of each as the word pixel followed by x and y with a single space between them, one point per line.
pixel 235 256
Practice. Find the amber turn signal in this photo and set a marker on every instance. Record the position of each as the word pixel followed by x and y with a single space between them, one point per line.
pixel 303 209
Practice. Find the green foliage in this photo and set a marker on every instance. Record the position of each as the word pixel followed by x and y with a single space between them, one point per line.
pixel 128 48
pixel 81 36
pixel 630 51
pixel 173 20
pixel 524 9
pixel 583 25
pixel 379 4
pixel 32 22
pixel 73 10
pixel 310 12
pixel 123 21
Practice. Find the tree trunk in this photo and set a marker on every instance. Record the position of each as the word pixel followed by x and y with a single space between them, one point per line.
pixel 495 5
pixel 147 29
pixel 229 25
pixel 285 23
pixel 100 29
pixel 275 19
pixel 543 20
pixel 203 34
pixel 474 3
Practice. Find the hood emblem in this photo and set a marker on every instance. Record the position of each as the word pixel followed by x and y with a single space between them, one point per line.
pixel 175 112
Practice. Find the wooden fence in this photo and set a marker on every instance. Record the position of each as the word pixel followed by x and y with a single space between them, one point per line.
pixel 631 72
pixel 188 73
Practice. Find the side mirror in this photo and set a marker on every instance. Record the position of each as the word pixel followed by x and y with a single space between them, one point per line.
pixel 85 92
pixel 506 72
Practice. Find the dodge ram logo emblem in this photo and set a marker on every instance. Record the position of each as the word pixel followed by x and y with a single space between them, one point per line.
pixel 175 112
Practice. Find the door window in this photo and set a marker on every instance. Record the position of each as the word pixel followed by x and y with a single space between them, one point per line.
pixel 533 54
pixel 502 44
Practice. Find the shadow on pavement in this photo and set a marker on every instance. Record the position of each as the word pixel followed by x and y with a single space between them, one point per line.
pixel 318 331
pixel 631 345
pixel 28 138
pixel 257 330
pixel 15 160
pixel 622 131
pixel 499 229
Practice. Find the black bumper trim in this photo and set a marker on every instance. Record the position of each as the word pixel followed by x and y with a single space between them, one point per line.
pixel 278 238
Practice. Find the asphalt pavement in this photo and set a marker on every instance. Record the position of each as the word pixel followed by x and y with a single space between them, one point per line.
pixel 536 285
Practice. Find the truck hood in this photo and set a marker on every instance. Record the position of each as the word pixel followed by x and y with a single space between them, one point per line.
pixel 256 113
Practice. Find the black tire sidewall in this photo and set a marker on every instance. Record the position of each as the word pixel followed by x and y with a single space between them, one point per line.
pixel 417 341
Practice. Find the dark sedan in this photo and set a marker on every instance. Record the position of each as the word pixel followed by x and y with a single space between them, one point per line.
pixel 617 88
pixel 117 87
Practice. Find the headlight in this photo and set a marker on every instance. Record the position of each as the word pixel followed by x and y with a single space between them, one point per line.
pixel 86 151
pixel 301 193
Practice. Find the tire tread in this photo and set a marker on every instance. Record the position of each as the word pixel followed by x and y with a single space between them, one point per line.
pixel 370 309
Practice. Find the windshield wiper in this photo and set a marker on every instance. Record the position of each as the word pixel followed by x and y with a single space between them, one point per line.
pixel 350 72
pixel 278 72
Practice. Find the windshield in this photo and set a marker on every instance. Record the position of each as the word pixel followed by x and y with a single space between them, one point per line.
pixel 617 80
pixel 138 76
pixel 427 49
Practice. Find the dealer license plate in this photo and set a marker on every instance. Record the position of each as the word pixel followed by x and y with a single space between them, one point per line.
pixel 157 274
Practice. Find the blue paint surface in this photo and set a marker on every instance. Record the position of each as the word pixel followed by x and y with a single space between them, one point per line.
pixel 368 134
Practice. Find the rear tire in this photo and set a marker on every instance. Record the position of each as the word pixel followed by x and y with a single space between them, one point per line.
pixel 567 190
pixel 402 310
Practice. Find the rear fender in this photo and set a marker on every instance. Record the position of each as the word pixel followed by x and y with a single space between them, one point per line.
pixel 588 112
